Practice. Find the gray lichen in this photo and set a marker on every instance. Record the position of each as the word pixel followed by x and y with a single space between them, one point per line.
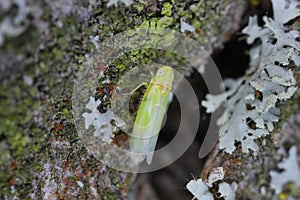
pixel 254 101
pixel 251 108
pixel 290 173
pixel 200 188
pixel 15 25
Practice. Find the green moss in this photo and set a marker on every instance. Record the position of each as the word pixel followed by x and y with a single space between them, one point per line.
pixel 167 9
pixel 109 196
pixel 165 22
pixel 139 7
pixel 19 44
pixel 17 141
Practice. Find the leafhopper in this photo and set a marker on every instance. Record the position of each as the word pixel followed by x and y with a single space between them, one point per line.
pixel 150 115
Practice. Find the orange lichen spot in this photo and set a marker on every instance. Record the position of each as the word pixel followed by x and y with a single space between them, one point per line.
pixel 100 91
pixel 11 181
pixel 13 165
pixel 258 95
pixel 58 127
pixel 67 163
pixel 111 87
pixel 124 190
pixel 68 100
pixel 198 30
pixel 77 176
pixel 120 139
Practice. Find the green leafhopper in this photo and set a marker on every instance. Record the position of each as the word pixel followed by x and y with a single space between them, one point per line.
pixel 150 115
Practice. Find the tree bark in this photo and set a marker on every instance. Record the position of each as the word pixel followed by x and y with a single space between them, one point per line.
pixel 44 45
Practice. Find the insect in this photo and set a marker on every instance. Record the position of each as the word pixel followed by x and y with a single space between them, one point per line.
pixel 150 115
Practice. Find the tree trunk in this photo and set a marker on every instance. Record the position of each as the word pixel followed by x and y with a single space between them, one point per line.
pixel 43 45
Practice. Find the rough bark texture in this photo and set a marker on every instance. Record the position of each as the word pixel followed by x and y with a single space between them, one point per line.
pixel 41 154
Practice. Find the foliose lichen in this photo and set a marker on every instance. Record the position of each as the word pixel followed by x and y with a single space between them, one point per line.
pixel 250 107
pixel 101 121
pixel 202 189
pixel 290 171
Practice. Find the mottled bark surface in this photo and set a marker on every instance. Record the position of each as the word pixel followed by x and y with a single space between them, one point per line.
pixel 42 46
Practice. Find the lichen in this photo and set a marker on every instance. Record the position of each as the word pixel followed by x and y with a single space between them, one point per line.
pixel 268 85
pixel 290 173
pixel 251 108
pixel 101 121
pixel 185 26
pixel 199 189
pixel 16 25
pixel 202 190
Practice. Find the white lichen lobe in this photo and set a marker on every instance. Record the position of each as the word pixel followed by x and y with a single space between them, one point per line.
pixel 186 27
pixel 200 188
pixel 216 175
pixel 290 173
pixel 101 121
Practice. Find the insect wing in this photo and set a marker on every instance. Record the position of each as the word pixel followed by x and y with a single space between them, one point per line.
pixel 150 116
